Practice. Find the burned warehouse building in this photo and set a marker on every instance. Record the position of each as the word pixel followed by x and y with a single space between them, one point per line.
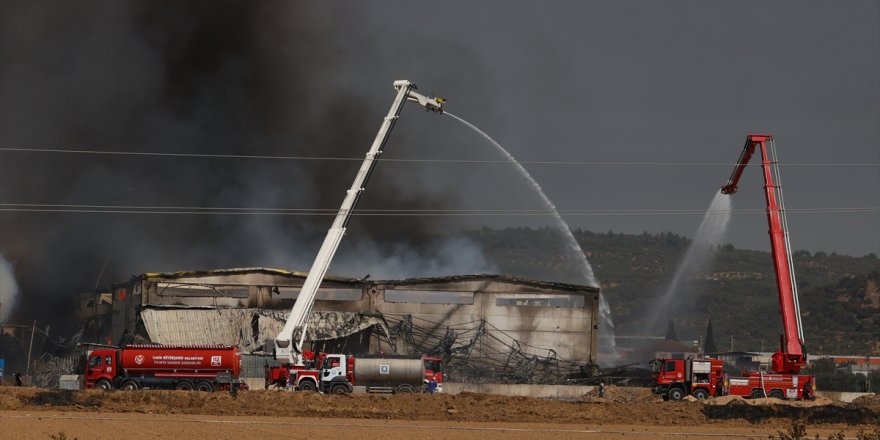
pixel 487 328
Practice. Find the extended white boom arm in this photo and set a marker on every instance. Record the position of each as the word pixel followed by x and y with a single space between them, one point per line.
pixel 295 327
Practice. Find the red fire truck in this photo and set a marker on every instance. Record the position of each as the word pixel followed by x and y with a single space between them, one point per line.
pixel 675 378
pixel 785 381
pixel 199 367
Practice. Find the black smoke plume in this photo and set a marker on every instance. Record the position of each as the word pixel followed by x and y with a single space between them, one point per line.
pixel 219 77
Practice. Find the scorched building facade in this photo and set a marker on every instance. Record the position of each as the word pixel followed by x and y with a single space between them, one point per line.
pixel 487 327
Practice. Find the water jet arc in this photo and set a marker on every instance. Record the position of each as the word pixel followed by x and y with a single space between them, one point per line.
pixel 572 247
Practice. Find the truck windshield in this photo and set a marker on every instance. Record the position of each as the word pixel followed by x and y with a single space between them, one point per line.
pixel 94 362
pixel 655 366
pixel 433 365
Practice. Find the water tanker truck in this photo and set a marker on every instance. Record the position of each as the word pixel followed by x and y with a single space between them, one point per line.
pixel 375 373
pixel 190 367
pixel 338 374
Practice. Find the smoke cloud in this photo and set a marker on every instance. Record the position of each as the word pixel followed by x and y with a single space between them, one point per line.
pixel 219 77
pixel 8 289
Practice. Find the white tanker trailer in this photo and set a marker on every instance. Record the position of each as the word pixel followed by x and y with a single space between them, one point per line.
pixel 377 374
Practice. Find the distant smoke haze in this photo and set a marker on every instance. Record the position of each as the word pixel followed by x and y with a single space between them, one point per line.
pixel 8 290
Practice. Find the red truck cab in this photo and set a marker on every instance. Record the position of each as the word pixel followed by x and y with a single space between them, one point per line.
pixel 673 379
pixel 434 374
pixel 100 369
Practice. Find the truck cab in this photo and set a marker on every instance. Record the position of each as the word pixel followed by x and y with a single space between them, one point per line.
pixel 434 374
pixel 100 369
pixel 335 374
pixel 673 379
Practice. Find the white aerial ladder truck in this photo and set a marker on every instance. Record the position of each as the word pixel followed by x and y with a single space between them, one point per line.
pixel 289 342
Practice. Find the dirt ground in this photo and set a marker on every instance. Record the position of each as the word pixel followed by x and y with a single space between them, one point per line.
pixel 631 412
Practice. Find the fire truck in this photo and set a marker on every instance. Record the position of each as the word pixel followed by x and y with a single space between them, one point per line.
pixel 190 367
pixel 675 378
pixel 785 380
pixel 310 371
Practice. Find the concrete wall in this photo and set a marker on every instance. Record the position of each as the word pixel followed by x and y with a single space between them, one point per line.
pixel 841 395
pixel 254 383
pixel 561 392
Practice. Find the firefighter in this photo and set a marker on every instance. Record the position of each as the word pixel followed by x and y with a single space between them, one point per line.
pixel 17 377
pixel 602 388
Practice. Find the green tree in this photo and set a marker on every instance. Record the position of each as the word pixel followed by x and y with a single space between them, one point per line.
pixel 709 345
pixel 670 332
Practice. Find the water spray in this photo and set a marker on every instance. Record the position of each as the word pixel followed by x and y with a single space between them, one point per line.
pixel 710 234
pixel 572 246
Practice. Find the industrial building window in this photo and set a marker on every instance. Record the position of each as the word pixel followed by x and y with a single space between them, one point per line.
pixel 324 294
pixel 339 294
pixel 203 290
pixel 532 300
pixel 428 297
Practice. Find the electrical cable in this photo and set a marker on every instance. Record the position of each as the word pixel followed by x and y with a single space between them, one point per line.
pixel 401 160
pixel 198 210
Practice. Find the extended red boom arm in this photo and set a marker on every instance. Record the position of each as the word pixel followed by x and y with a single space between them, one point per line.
pixel 792 354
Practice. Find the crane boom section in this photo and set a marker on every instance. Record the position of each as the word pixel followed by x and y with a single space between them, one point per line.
pixel 289 342
pixel 733 182
pixel 792 355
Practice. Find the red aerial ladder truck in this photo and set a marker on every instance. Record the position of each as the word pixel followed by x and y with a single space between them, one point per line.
pixel 785 380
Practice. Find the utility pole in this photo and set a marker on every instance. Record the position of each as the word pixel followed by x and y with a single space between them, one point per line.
pixel 30 348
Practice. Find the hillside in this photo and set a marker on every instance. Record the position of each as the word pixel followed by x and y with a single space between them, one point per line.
pixel 840 297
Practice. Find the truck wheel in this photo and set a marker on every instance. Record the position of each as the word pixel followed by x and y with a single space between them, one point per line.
pixel 777 394
pixel 756 394
pixel 184 385
pixel 130 386
pixel 405 389
pixel 103 385
pixel 676 394
pixel 307 385
pixel 701 394
pixel 205 386
pixel 339 389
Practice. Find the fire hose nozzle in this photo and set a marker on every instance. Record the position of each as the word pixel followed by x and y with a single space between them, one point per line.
pixel 428 102
pixel 431 103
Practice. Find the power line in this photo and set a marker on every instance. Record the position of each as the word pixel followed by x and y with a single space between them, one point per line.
pixel 386 159
pixel 199 210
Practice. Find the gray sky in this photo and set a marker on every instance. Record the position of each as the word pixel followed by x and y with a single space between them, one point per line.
pixel 659 82
pixel 619 81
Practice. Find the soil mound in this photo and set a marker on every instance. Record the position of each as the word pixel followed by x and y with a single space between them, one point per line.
pixel 621 406
pixel 816 412
pixel 871 402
